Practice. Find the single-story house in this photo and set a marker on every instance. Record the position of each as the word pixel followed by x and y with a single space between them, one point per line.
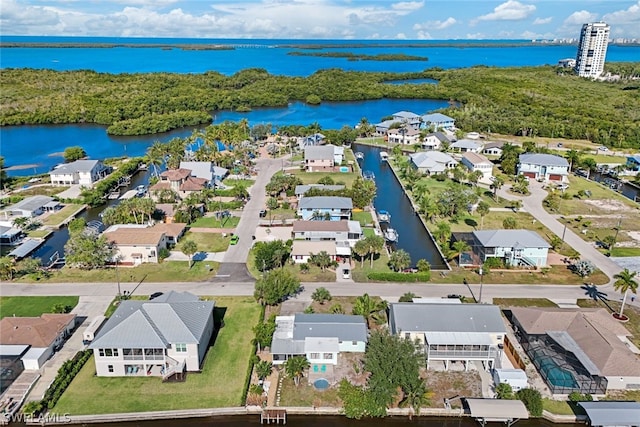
pixel 318 337
pixel 408 135
pixel 547 167
pixel 434 141
pixel 10 236
pixel 340 231
pixel 300 190
pixel 180 181
pixel 583 350
pixel 30 207
pixel 465 146
pixel 302 250
pixel 319 207
pixel 173 232
pixel 135 245
pixel 518 248
pixel 451 332
pixel 432 162
pixel 83 172
pixel 319 158
pixel 633 162
pixel 516 378
pixel 478 162
pixel 44 335
pixel 161 337
pixel 438 121
pixel 493 148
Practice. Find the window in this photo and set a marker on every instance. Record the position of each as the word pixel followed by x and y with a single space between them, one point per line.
pixel 315 355
pixel 180 348
pixel 108 352
pixel 110 368
pixel 354 342
pixel 328 356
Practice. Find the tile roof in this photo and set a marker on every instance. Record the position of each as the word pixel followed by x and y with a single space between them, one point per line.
pixel 193 184
pixel 176 174
pixel 306 247
pixel 34 331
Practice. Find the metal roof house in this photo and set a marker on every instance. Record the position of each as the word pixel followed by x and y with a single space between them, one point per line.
pixel 318 337
pixel 205 170
pixel 438 121
pixel 547 167
pixel 523 248
pixel 160 337
pixel 432 162
pixel 335 208
pixel 83 172
pixel 30 207
pixel 451 332
pixel 466 145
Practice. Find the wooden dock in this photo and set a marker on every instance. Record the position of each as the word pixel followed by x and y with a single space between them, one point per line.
pixel 273 415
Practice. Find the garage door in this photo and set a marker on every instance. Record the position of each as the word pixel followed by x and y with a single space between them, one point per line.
pixel 555 177
pixel 530 174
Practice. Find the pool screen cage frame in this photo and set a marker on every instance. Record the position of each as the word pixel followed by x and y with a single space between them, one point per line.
pixel 541 348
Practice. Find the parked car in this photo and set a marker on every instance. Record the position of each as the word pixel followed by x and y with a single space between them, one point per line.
pixel 559 144
pixel 454 296
pixel 263 213
pixel 234 239
pixel 603 148
pixel 155 295
pixel 346 274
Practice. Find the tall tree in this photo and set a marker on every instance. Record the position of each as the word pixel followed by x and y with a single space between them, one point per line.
pixel 322 259
pixel 625 282
pixel 459 247
pixel 263 369
pixel 71 154
pixel 7 268
pixel 376 245
pixel 294 368
pixel 88 252
pixel 275 286
pixel 399 260
pixel 369 307
pixel 482 209
pixel 361 248
pixel 189 248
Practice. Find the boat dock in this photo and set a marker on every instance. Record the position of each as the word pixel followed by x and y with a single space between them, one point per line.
pixel 129 195
pixel 275 415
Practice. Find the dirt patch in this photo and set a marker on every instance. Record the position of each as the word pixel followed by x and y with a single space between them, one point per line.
pixel 448 384
pixel 635 236
pixel 608 205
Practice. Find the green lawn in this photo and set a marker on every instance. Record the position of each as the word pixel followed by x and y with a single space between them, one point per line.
pixel 306 395
pixel 58 217
pixel 621 252
pixel 314 274
pixel 213 222
pixel 38 234
pixel 368 231
pixel 561 407
pixel 220 384
pixel 523 302
pixel 243 182
pixel 363 216
pixel 167 271
pixel 313 177
pixel 359 274
pixel 32 306
pixel 207 242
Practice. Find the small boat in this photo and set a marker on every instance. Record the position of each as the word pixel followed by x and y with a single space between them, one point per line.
pixel 384 216
pixel 141 190
pixel 391 235
pixel 369 175
pixel 384 156
pixel 359 155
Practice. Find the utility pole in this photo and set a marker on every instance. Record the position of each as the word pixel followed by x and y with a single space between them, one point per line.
pixel 118 279
pixel 481 282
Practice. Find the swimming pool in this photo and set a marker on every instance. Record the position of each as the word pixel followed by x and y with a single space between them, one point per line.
pixel 555 375
pixel 321 384
pixel 344 169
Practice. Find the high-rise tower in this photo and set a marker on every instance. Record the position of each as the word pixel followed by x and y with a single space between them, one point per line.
pixel 592 49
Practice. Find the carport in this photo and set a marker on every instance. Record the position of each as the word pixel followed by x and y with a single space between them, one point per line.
pixel 609 413
pixel 497 410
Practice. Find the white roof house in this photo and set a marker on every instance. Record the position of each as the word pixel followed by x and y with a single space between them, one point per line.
pixel 438 121
pixel 432 162
pixel 465 145
pixel 516 378
pixel 82 172
pixel 547 167
pixel 28 207
pixel 478 162
pixel 524 248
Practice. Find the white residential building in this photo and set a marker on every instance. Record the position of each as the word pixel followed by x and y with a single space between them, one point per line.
pixel 403 135
pixel 592 49
pixel 478 162
pixel 432 162
pixel 82 172
pixel 547 167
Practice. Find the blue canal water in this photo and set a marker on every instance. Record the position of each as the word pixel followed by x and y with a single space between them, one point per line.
pixel 412 236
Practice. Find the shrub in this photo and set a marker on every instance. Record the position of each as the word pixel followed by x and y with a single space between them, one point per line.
pixel 389 276
pixel 576 396
pixel 532 400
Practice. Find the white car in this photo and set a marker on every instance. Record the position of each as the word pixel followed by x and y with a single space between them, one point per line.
pixel 603 148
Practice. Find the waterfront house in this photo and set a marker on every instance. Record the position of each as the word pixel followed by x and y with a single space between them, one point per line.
pixel 321 207
pixel 160 337
pixel 478 162
pixel 493 148
pixel 82 172
pixel 311 140
pixel 29 207
pixel 319 337
pixel 206 170
pixel 43 335
pixel 318 158
pixel 466 146
pixel 517 248
pixel 437 121
pixel 451 332
pixel 340 231
pixel 404 135
pixel 432 162
pixel 10 236
pixel 407 118
pixel 434 141
pixel 301 190
pixel 303 250
pixel 633 162
pixel 135 245
pixel 583 350
pixel 544 167
pixel 180 182
pixel 383 127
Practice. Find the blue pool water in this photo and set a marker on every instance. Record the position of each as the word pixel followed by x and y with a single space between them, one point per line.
pixel 556 375
pixel 344 169
pixel 321 384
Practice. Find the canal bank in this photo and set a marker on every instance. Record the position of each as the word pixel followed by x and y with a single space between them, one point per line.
pixel 413 235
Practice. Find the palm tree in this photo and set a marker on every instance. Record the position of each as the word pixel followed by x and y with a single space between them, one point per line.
pixel 361 248
pixel 322 259
pixel 625 282
pixel 156 155
pixel 482 209
pixel 263 369
pixel 509 223
pixel 442 232
pixel 573 157
pixel 294 368
pixel 369 308
pixel 189 248
pixel 399 260
pixel 459 247
pixel 416 395
pixel 7 268
pixel 498 182
pixel 376 244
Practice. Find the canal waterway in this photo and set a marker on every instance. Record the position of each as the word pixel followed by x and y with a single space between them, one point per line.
pixel 412 236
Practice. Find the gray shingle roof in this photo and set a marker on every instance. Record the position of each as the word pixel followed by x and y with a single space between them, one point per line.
pixel 325 202
pixel 410 317
pixel 342 326
pixel 318 152
pixel 73 167
pixel 510 239
pixel 543 159
pixel 32 203
pixel 156 323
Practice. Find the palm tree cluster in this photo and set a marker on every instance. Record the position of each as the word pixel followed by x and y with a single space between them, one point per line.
pixel 370 245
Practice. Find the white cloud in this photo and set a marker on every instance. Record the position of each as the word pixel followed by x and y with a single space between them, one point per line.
pixel 628 16
pixel 423 35
pixel 542 21
pixel 580 17
pixel 511 10
pixel 436 25
pixel 401 36
pixel 408 6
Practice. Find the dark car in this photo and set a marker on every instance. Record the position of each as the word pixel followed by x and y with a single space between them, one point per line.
pixel 454 296
pixel 155 295
pixel 263 213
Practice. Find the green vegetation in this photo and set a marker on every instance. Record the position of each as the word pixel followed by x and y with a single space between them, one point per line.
pixel 559 407
pixel 72 154
pixel 207 242
pixel 530 101
pixel 220 384
pixel 364 217
pixel 523 302
pixel 32 306
pixel 361 57
pixel 212 222
pixel 275 286
pixel 56 218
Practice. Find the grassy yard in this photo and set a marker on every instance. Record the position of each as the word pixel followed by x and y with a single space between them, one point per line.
pixel 207 242
pixel 623 252
pixel 230 182
pixel 368 231
pixel 213 222
pixel 38 234
pixel 557 274
pixel 313 177
pixel 58 217
pixel 359 273
pixel 314 274
pixel 220 384
pixel 41 191
pixel 306 395
pixel 364 217
pixel 633 325
pixel 32 306
pixel 523 302
pixel 279 214
pixel 576 206
pixel 561 407
pixel 167 271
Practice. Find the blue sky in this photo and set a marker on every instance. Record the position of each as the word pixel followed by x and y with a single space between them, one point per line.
pixel 318 19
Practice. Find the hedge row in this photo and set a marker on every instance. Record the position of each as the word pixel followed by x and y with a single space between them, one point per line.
pixel 66 374
pixel 382 276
